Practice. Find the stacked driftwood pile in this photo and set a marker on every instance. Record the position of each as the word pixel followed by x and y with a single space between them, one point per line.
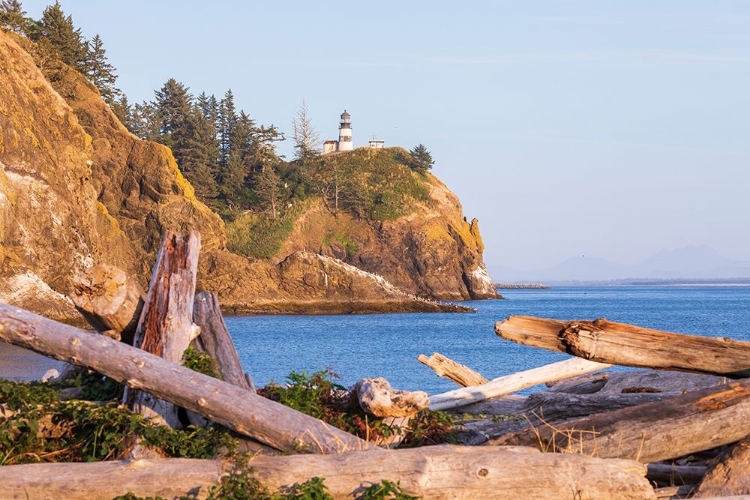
pixel 577 440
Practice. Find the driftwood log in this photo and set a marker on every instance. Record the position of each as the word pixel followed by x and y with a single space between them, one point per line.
pixel 166 326
pixel 110 300
pixel 378 398
pixel 671 475
pixel 216 341
pixel 555 407
pixel 629 345
pixel 729 475
pixel 434 472
pixel 651 432
pixel 243 411
pixel 447 368
pixel 514 382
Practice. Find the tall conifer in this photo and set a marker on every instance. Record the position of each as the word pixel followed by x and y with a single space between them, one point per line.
pixel 67 41
pixel 13 17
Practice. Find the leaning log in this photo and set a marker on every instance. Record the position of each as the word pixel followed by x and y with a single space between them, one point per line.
pixel 514 382
pixel 243 411
pixel 166 325
pixel 617 343
pixel 447 368
pixel 729 474
pixel 651 432
pixel 110 300
pixel 434 472
pixel 216 341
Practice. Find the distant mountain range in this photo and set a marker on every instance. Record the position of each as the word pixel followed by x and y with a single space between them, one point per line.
pixel 693 262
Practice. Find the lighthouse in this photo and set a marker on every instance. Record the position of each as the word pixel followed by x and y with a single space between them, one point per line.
pixel 345 132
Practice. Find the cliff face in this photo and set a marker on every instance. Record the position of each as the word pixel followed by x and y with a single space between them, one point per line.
pixel 432 252
pixel 76 188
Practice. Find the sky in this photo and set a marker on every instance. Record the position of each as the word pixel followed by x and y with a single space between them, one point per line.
pixel 603 128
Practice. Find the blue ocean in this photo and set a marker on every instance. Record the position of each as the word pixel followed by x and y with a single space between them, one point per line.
pixel 387 345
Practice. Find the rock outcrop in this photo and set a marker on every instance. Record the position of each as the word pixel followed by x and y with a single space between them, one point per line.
pixel 76 188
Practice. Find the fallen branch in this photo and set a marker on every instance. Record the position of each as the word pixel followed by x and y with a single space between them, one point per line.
pixel 434 472
pixel 629 345
pixel 447 368
pixel 512 383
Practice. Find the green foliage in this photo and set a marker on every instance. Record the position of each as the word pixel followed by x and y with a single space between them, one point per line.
pixel 428 427
pixel 40 428
pixel 386 490
pixel 200 362
pixel 421 159
pixel 343 240
pixel 261 237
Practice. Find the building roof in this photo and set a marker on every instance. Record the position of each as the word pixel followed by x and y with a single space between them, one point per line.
pixel 345 115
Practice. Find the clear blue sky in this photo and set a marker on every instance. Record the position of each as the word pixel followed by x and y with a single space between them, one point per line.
pixel 610 129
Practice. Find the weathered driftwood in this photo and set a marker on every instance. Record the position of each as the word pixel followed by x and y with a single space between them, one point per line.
pixel 378 398
pixel 729 474
pixel 512 383
pixel 675 475
pixel 661 381
pixel 554 407
pixel 215 340
pixel 629 345
pixel 674 492
pixel 241 410
pixel 166 325
pixel 446 367
pixel 651 432
pixel 434 472
pixel 582 384
pixel 110 300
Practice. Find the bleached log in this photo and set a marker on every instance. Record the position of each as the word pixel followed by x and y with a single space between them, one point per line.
pixel 433 472
pixel 243 411
pixel 446 367
pixel 166 325
pixel 729 474
pixel 216 341
pixel 514 382
pixel 629 345
pixel 110 300
pixel 674 427
pixel 378 398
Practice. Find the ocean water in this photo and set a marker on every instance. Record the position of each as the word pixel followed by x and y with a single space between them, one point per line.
pixel 387 345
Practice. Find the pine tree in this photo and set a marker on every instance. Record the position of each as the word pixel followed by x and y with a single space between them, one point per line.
pixel 194 149
pixel 100 72
pixel 124 112
pixel 172 109
pixel 267 186
pixel 13 17
pixel 63 37
pixel 306 139
pixel 421 159
pixel 227 125
pixel 143 122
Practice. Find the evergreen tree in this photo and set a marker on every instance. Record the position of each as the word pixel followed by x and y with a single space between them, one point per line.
pixel 227 125
pixel 306 139
pixel 124 112
pixel 13 17
pixel 194 150
pixel 421 159
pixel 100 72
pixel 267 186
pixel 143 122
pixel 65 40
pixel 172 109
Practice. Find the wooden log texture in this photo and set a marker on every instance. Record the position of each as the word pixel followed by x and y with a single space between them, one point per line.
pixel 555 407
pixel 515 382
pixel 433 472
pixel 629 345
pixel 447 368
pixel 243 411
pixel 675 475
pixel 378 398
pixel 651 432
pixel 216 341
pixel 166 325
pixel 729 474
pixel 110 300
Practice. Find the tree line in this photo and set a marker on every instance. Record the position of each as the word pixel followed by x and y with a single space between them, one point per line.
pixel 230 160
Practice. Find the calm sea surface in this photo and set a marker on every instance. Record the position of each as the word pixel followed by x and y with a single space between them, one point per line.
pixel 387 345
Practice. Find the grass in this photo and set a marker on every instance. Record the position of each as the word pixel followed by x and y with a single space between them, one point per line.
pixel 262 236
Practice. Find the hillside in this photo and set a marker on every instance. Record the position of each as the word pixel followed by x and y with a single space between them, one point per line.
pixel 76 188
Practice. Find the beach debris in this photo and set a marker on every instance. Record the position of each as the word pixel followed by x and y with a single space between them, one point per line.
pixel 446 367
pixel 378 398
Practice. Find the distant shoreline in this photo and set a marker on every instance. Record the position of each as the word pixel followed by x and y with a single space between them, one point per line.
pixel 521 286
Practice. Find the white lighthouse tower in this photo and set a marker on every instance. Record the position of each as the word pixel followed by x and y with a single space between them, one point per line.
pixel 345 132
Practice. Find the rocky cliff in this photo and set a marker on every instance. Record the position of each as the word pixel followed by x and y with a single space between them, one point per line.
pixel 76 188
